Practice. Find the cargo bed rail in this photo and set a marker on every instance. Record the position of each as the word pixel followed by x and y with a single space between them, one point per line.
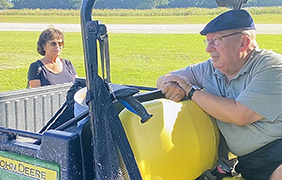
pixel 30 109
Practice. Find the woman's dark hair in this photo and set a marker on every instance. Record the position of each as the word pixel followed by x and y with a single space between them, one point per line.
pixel 48 35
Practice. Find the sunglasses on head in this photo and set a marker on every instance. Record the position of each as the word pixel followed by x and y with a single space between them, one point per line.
pixel 53 43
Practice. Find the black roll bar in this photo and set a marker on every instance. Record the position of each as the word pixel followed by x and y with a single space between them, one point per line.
pixel 91 32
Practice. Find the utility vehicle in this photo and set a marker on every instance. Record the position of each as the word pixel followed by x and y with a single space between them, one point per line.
pixel 120 134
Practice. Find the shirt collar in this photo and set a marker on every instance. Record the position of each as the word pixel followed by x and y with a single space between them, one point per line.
pixel 248 65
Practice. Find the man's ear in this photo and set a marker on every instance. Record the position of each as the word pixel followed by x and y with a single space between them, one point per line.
pixel 245 42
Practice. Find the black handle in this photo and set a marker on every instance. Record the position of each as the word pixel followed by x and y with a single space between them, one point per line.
pixel 136 107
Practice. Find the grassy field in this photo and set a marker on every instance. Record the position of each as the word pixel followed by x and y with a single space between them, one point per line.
pixel 262 15
pixel 195 19
pixel 137 59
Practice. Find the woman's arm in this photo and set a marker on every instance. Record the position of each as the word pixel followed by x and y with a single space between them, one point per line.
pixel 34 83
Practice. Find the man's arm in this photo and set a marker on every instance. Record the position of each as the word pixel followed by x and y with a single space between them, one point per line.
pixel 224 109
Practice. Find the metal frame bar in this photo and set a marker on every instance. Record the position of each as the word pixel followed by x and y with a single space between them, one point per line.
pixel 90 34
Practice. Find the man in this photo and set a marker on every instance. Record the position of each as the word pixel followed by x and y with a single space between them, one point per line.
pixel 242 89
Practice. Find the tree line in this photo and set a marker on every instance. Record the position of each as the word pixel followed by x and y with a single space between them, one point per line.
pixel 124 4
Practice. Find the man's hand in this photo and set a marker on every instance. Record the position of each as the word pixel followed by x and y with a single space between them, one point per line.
pixel 175 87
pixel 173 91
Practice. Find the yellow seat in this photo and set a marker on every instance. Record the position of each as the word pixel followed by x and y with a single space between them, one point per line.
pixel 179 142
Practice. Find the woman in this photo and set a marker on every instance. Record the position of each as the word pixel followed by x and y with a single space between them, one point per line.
pixel 51 69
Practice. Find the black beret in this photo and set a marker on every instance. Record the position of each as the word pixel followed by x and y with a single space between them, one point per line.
pixel 233 19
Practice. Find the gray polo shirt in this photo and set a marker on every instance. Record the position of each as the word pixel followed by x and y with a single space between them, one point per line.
pixel 258 86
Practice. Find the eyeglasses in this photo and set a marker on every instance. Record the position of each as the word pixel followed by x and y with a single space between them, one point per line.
pixel 216 41
pixel 53 43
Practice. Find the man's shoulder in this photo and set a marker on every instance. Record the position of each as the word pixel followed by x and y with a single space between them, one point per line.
pixel 264 57
pixel 270 53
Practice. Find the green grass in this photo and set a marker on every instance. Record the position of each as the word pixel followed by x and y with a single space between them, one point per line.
pixel 195 19
pixel 262 15
pixel 39 19
pixel 137 59
pixel 139 12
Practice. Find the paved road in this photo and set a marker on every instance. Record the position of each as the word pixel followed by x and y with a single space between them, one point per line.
pixel 133 28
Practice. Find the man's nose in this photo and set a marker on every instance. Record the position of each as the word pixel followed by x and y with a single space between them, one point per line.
pixel 209 47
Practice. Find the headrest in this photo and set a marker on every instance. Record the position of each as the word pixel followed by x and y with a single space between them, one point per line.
pixel 233 19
